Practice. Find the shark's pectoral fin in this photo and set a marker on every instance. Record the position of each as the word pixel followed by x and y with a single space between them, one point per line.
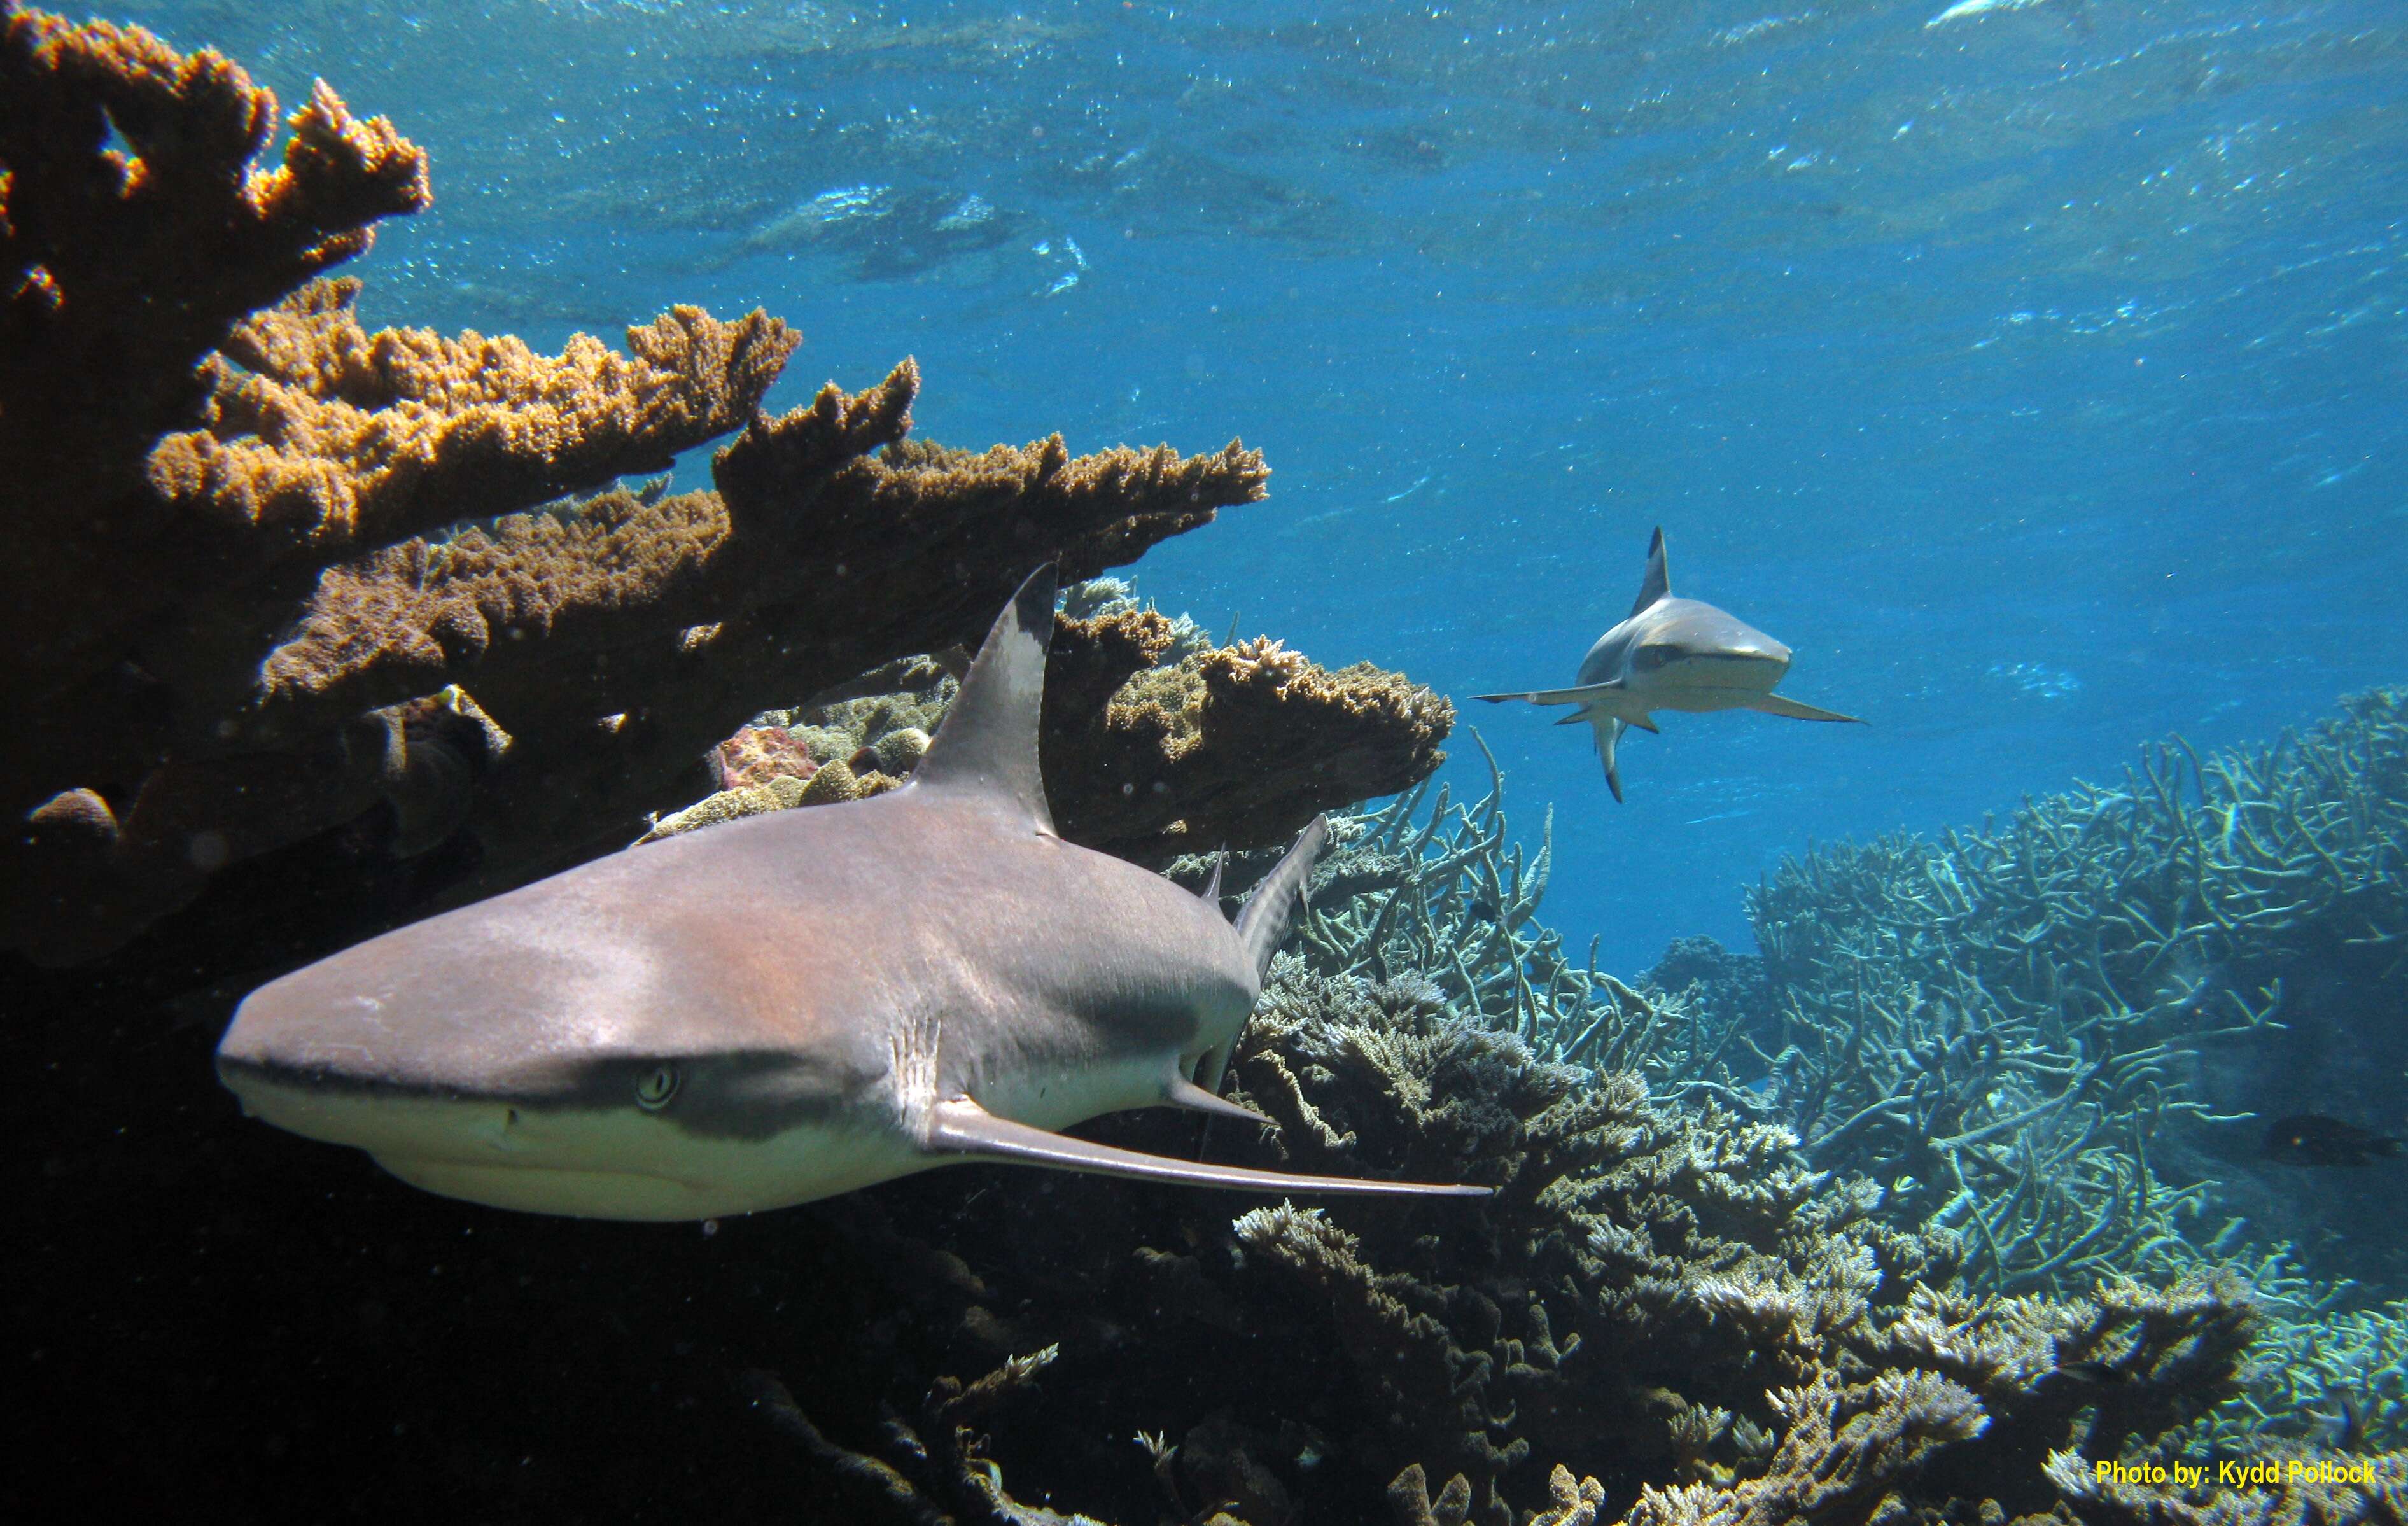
pixel 1581 696
pixel 960 1126
pixel 1773 704
pixel 1187 1094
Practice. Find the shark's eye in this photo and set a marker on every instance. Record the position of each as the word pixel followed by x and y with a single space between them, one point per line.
pixel 658 1085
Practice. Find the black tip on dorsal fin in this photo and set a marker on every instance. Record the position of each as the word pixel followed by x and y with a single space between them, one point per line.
pixel 987 742
pixel 1658 582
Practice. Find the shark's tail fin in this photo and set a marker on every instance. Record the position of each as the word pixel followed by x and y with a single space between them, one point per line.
pixel 1265 918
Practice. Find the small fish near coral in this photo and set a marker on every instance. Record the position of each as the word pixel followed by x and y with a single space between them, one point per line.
pixel 865 991
pixel 1670 654
pixel 2311 1139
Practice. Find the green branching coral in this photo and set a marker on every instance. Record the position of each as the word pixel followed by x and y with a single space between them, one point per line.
pixel 2007 1017
pixel 1429 886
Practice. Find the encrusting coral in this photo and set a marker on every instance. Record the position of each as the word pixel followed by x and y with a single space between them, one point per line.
pixel 246 596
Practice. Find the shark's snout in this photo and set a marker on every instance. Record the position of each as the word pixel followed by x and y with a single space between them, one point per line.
pixel 1752 661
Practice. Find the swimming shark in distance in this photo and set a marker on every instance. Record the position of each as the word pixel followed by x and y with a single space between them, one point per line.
pixel 1671 654
pixel 793 1005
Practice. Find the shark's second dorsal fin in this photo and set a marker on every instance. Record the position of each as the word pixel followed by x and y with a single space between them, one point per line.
pixel 1658 582
pixel 987 742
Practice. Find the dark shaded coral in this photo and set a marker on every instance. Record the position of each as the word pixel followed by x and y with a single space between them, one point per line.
pixel 1238 746
pixel 93 365
pixel 1659 1309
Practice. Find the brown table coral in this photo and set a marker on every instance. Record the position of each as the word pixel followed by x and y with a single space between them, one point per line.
pixel 241 621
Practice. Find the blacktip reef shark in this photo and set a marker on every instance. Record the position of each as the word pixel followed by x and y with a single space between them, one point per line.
pixel 1671 654
pixel 793 1005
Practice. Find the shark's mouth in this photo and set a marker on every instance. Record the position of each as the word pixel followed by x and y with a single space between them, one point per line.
pixel 1723 670
pixel 582 1192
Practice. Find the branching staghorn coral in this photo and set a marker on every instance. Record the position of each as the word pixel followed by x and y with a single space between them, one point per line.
pixel 2326 1368
pixel 1428 885
pixel 2008 1017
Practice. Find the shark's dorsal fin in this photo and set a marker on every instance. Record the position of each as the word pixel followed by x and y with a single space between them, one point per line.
pixel 1210 894
pixel 987 742
pixel 1658 584
pixel 1263 921
pixel 960 1126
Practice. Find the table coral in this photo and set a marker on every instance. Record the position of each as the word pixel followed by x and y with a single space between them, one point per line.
pixel 286 528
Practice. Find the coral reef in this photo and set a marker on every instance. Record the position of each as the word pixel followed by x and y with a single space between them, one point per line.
pixel 2326 1368
pixel 1661 1311
pixel 1424 883
pixel 244 593
pixel 94 365
pixel 1152 739
pixel 2023 1022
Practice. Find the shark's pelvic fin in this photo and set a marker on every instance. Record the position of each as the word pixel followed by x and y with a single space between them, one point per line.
pixel 1658 584
pixel 987 742
pixel 1588 716
pixel 1773 704
pixel 1583 695
pixel 1263 921
pixel 1609 731
pixel 960 1126
pixel 1183 1092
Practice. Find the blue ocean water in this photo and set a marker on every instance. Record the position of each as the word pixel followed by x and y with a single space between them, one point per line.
pixel 2036 371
